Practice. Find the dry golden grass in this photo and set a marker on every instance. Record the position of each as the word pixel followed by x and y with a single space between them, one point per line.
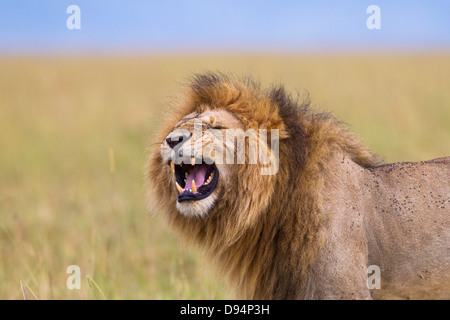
pixel 64 121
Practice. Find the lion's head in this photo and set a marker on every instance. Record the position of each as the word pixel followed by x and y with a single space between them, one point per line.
pixel 221 151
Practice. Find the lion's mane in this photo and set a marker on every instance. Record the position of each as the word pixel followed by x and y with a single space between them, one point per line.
pixel 265 231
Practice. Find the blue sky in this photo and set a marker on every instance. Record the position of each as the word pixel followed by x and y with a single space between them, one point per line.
pixel 217 25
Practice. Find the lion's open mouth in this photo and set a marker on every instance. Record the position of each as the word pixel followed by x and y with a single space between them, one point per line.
pixel 195 181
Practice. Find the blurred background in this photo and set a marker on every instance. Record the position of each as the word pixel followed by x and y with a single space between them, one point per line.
pixel 82 92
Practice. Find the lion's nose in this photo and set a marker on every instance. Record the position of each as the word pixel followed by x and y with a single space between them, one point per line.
pixel 172 141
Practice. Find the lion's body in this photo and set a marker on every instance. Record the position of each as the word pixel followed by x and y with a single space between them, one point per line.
pixel 311 230
pixel 393 216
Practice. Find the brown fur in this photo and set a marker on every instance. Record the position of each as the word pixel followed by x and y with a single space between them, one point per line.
pixel 268 233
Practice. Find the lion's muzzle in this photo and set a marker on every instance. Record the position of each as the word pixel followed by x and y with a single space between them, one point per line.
pixel 194 181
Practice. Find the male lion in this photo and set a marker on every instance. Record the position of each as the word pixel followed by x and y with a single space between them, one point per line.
pixel 328 211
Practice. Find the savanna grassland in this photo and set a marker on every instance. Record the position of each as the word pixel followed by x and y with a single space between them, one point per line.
pixel 74 138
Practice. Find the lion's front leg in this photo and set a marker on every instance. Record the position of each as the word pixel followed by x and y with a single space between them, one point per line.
pixel 340 270
pixel 339 273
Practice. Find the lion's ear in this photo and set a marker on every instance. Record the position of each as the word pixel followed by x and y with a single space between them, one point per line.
pixel 283 133
pixel 290 111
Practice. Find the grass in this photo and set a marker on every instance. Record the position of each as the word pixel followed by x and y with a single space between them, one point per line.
pixel 74 134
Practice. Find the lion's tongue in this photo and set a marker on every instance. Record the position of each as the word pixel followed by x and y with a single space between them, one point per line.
pixel 198 174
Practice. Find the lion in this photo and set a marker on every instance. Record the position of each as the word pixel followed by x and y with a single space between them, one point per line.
pixel 324 222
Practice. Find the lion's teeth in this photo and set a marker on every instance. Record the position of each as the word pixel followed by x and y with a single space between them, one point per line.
pixel 194 187
pixel 179 188
pixel 186 174
pixel 210 178
pixel 193 161
pixel 172 165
